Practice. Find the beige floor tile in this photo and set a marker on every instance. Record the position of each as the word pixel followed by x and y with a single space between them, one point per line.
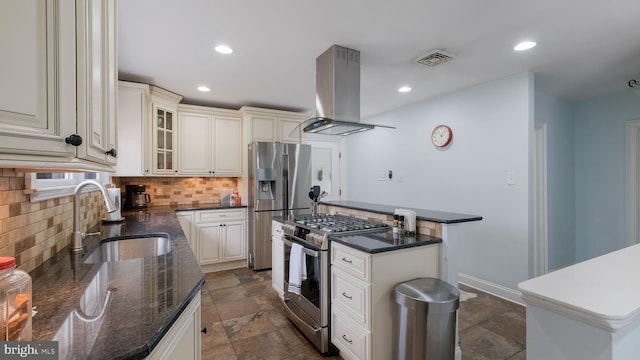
pixel 215 336
pixel 229 294
pixel 269 346
pixel 220 352
pixel 231 309
pixel 248 326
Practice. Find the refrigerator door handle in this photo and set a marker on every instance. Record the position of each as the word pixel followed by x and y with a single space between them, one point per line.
pixel 285 183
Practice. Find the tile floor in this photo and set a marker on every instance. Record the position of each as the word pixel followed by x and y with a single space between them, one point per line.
pixel 245 320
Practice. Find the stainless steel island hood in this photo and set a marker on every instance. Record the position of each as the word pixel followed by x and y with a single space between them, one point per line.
pixel 338 94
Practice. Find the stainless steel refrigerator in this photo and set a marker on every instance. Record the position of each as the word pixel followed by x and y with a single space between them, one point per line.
pixel 279 183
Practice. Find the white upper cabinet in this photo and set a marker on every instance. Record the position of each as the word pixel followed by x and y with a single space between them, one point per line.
pixel 97 79
pixel 133 120
pixel 209 141
pixel 38 89
pixel 164 113
pixel 273 125
pixel 59 73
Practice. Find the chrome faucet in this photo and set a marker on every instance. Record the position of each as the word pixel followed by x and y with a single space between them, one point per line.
pixel 78 236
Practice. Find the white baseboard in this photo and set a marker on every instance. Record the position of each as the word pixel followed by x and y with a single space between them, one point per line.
pixel 491 288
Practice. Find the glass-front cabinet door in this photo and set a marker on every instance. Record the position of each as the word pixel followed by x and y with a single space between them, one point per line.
pixel 164 154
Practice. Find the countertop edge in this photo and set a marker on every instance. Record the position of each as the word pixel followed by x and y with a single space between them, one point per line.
pixel 146 349
pixel 383 250
pixel 421 214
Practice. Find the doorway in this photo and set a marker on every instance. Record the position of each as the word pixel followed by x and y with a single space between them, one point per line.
pixel 325 168
pixel 633 182
pixel 540 208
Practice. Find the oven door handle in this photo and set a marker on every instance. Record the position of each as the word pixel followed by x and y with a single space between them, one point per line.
pixel 305 250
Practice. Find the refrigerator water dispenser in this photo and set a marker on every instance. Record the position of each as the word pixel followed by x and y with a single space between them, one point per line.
pixel 267 181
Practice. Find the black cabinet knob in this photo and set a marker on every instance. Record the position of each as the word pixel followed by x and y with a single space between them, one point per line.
pixel 112 152
pixel 204 330
pixel 74 139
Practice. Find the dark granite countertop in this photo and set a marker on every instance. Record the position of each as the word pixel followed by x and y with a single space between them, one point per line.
pixel 377 242
pixel 208 206
pixel 421 214
pixel 120 309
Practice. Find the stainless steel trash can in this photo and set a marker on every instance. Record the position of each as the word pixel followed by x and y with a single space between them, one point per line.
pixel 425 320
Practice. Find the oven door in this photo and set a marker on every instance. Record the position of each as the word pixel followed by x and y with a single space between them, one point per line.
pixel 314 291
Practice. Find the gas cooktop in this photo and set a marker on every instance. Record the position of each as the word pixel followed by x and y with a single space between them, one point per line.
pixel 337 223
pixel 315 229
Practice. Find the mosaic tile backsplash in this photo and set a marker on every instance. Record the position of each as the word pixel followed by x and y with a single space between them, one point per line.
pixel 173 191
pixel 34 231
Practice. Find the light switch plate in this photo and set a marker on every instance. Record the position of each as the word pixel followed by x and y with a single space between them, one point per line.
pixel 511 178
pixel 380 176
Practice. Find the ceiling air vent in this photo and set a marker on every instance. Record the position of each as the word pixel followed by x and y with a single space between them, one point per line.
pixel 434 57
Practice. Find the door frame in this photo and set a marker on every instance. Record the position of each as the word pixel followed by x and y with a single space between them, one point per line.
pixel 633 182
pixel 540 204
pixel 338 165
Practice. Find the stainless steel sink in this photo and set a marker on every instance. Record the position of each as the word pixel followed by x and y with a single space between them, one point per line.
pixel 118 249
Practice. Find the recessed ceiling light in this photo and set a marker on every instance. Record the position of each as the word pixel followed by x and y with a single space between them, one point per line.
pixel 203 88
pixel 525 45
pixel 223 49
pixel 404 89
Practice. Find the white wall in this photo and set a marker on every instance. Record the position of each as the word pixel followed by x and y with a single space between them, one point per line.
pixel 600 172
pixel 493 128
pixel 558 115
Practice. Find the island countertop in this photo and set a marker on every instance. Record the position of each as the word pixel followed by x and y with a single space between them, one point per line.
pixel 118 309
pixel 421 214
pixel 383 241
pixel 599 291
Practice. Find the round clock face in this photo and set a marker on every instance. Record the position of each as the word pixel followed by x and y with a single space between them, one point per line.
pixel 441 135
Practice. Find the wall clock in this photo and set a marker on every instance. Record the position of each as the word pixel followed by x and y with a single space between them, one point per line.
pixel 441 135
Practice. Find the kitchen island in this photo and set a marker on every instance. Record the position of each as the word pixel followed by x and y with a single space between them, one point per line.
pixel 590 310
pixel 365 267
pixel 118 309
pixel 439 224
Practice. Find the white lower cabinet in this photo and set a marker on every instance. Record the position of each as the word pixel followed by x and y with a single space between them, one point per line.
pixel 277 252
pixel 183 340
pixel 362 305
pixel 218 238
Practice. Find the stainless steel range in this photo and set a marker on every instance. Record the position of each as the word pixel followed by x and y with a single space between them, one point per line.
pixel 309 310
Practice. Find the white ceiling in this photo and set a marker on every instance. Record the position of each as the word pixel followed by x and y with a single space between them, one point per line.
pixel 586 48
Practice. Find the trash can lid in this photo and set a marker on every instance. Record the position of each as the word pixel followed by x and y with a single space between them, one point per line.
pixel 427 293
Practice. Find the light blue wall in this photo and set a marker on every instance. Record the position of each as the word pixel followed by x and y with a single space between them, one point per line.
pixel 557 114
pixel 600 172
pixel 492 125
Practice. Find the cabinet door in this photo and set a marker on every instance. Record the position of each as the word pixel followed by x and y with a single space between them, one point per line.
pixel 194 148
pixel 234 243
pixel 227 142
pixel 286 127
pixel 133 100
pixel 210 238
pixel 263 128
pixel 38 72
pixel 97 79
pixel 164 139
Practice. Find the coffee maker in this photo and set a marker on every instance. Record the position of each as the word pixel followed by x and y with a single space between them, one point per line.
pixel 136 197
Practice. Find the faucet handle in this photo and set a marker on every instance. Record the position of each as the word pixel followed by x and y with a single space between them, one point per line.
pixel 84 235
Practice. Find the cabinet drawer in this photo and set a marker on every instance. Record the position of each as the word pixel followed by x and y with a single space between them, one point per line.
pixel 352 261
pixel 349 337
pixel 352 294
pixel 204 216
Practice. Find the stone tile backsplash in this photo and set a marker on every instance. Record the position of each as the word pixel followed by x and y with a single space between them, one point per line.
pixel 173 191
pixel 35 231
pixel 422 226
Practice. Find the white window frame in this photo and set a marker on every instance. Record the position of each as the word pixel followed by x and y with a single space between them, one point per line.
pixel 46 189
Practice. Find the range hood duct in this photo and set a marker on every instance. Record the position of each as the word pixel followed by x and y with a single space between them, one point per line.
pixel 338 94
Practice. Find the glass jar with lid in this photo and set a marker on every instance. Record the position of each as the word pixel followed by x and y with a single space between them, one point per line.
pixel 15 302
